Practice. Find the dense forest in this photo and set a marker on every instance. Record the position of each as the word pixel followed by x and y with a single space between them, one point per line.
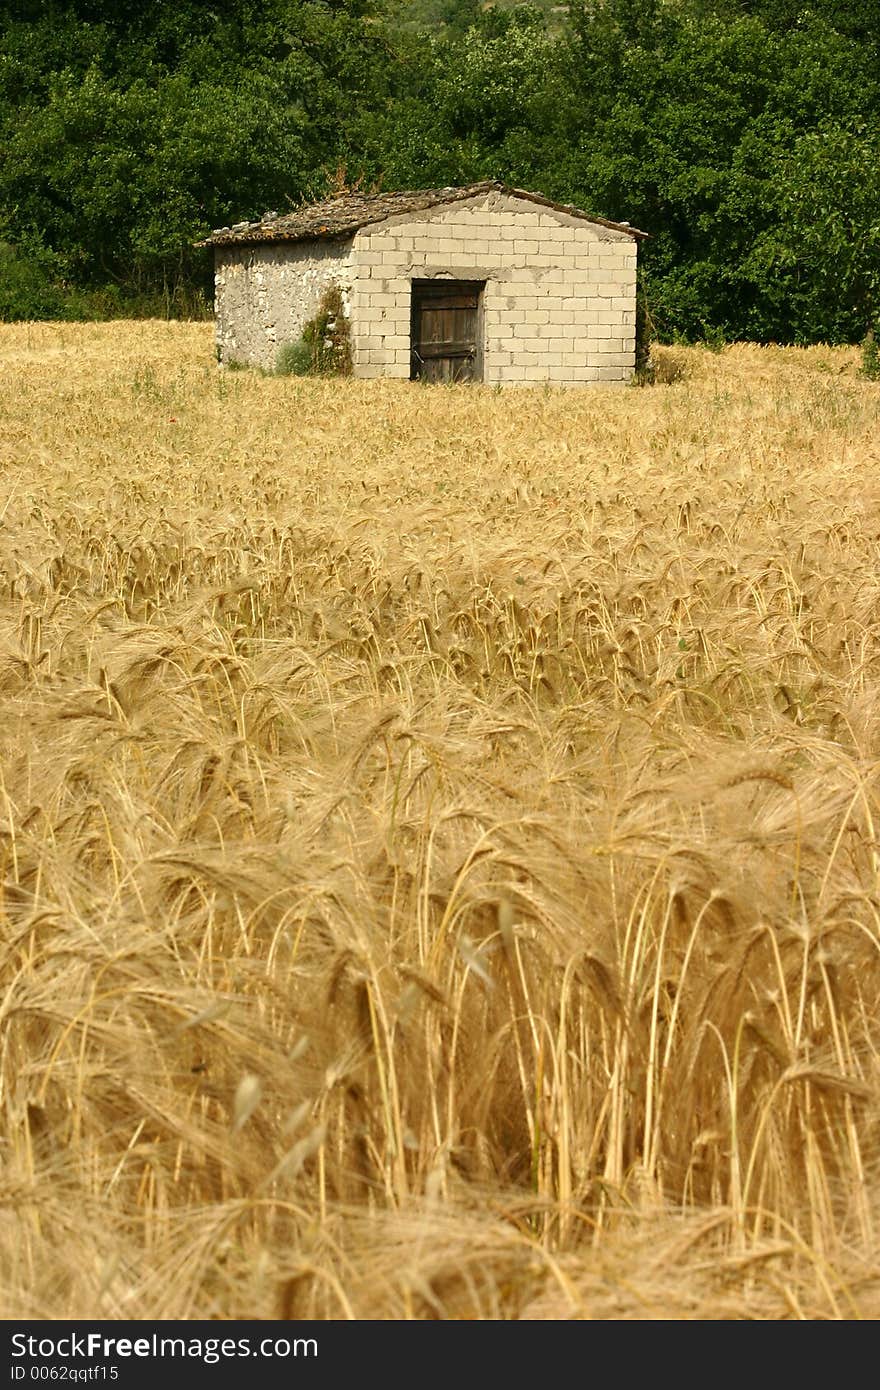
pixel 743 135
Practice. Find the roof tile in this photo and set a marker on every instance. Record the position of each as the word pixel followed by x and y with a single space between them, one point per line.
pixel 346 213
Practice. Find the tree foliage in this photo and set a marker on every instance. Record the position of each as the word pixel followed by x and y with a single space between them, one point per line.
pixel 743 135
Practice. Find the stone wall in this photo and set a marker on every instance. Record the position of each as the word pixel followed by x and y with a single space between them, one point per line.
pixel 265 294
pixel 559 303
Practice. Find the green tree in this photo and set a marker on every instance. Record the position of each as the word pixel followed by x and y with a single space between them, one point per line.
pixel 684 124
pixel 127 133
pixel 742 134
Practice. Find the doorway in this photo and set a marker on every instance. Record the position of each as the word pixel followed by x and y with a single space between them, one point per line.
pixel 446 335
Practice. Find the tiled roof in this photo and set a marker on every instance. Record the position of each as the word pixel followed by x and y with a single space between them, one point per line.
pixel 345 213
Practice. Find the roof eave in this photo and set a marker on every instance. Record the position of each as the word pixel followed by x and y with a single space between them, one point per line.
pixel 571 211
pixel 257 238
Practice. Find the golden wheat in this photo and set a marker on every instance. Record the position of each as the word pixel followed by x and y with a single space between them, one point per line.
pixel 438 839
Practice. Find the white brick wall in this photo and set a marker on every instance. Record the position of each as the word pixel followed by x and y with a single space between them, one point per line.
pixel 559 303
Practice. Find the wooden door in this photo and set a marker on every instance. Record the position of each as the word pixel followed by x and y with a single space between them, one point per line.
pixel 446 330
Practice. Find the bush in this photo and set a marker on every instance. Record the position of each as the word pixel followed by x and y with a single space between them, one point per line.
pixel 33 286
pixel 26 287
pixel 645 333
pixel 715 338
pixel 295 359
pixel 656 365
pixel 870 367
pixel 325 346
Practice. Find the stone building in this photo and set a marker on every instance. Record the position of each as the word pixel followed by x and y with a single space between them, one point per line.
pixel 483 283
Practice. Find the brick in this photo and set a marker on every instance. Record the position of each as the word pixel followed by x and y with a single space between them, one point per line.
pixel 611 359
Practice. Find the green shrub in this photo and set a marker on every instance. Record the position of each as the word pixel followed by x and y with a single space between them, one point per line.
pixel 324 349
pixel 870 367
pixel 656 365
pixel 295 359
pixel 645 333
pixel 33 286
pixel 714 337
pixel 27 290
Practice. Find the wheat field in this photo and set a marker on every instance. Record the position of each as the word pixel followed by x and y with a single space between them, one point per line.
pixel 439 860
